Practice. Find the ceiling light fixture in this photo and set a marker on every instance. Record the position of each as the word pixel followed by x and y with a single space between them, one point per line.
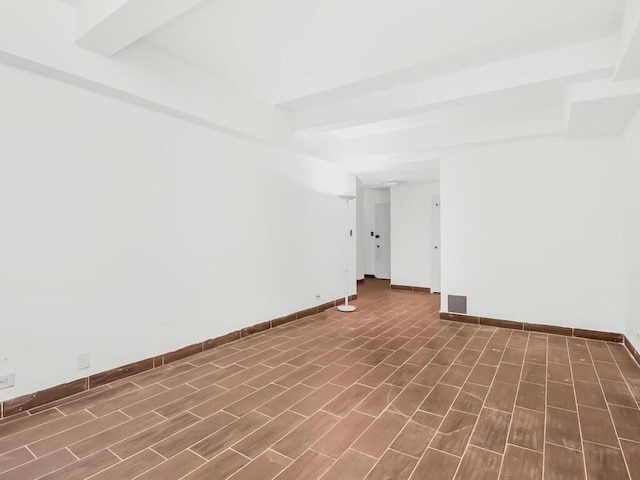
pixel 392 183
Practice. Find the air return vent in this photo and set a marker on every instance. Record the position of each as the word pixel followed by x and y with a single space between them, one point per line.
pixel 457 303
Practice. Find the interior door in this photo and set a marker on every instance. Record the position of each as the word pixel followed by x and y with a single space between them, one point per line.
pixel 383 240
pixel 435 240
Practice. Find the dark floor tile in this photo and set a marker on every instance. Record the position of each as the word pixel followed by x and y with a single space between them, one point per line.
pixel 155 434
pixel 513 355
pixel 454 432
pixel 84 468
pixel 456 375
pixel 618 393
pixel 631 451
pixel 492 430
pixel 559 372
pixel 534 373
pixel 315 401
pixel 393 465
pixel 220 468
pixel 562 428
pixel 605 462
pixel 347 400
pixel 471 398
pixel 589 394
pixel 378 375
pixel 131 467
pixel 561 395
pixel 527 429
pixel 520 464
pixel 377 438
pixel 502 396
pixel 285 400
pixel 608 371
pixel 627 422
pixel 531 396
pixel 266 466
pixel 304 435
pixel 584 372
pixel 176 467
pixel 335 442
pixel 193 434
pixel 434 464
pixel 597 426
pixel 263 438
pixel 404 375
pixel 309 466
pixel 216 443
pixel 351 466
pixel 417 433
pixel 508 373
pixel 482 374
pixel 430 375
pixel 563 463
pixel 440 399
pixel 480 464
pixel 254 399
pixel 378 400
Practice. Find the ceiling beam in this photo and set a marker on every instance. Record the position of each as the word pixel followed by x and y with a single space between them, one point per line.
pixel 629 49
pixel 108 26
pixel 578 62
pixel 600 107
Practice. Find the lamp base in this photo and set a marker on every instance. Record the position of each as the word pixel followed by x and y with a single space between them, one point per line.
pixel 347 308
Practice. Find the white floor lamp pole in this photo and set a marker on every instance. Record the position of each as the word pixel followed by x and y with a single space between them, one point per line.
pixel 346 307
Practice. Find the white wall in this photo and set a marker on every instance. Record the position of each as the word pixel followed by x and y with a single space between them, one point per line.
pixel 411 232
pixel 532 231
pixel 631 189
pixel 360 232
pixel 371 196
pixel 126 233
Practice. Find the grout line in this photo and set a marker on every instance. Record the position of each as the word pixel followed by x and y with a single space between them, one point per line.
pixel 546 403
pixel 515 401
pixel 615 429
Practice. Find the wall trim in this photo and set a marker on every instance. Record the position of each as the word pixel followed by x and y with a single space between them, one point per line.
pixel 23 403
pixel 410 288
pixel 368 275
pixel 360 281
pixel 534 327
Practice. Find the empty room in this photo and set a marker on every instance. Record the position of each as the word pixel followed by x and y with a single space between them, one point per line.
pixel 319 240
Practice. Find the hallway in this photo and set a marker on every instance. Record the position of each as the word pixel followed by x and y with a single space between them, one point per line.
pixel 387 392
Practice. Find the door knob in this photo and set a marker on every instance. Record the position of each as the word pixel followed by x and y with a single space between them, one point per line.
pixel 435 246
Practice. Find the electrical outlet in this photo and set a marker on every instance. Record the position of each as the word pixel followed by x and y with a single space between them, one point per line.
pixel 7 381
pixel 83 361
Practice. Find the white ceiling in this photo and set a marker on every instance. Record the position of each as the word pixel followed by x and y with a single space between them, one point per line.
pixel 381 87
pixel 397 81
pixel 283 50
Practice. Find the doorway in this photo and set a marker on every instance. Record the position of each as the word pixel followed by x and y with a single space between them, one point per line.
pixel 383 240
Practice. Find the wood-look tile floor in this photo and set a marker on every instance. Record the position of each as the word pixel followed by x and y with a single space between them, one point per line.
pixel 387 392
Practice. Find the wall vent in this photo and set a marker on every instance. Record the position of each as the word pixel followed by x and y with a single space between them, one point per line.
pixel 457 303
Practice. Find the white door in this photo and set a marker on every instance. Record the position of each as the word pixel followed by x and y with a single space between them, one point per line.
pixel 383 240
pixel 435 240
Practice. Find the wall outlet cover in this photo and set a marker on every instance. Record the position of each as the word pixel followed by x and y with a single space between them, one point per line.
pixel 84 361
pixel 8 380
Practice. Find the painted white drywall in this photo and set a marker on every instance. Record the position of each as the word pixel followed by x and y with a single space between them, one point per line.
pixel 126 233
pixel 371 196
pixel 631 212
pixel 360 242
pixel 532 231
pixel 411 216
